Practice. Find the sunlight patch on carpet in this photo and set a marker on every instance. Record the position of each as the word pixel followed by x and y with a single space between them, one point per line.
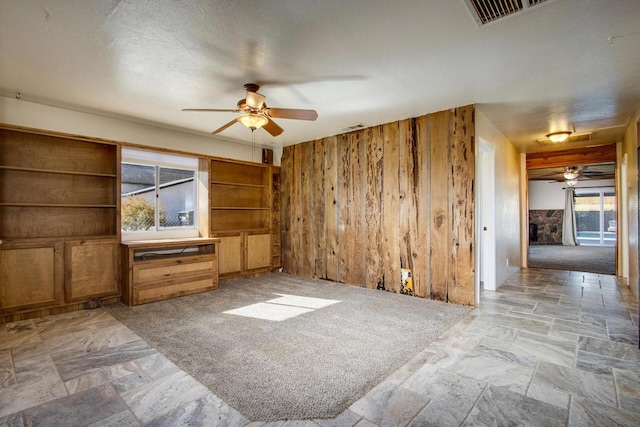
pixel 299 301
pixel 273 312
pixel 283 308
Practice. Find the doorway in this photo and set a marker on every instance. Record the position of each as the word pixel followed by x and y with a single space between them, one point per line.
pixel 595 213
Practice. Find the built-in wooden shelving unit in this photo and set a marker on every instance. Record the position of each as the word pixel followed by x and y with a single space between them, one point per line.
pixel 240 215
pixel 59 222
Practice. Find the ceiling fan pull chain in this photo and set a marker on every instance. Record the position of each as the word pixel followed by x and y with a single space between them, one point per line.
pixel 253 144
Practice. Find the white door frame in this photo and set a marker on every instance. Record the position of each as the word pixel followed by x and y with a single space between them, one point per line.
pixel 485 218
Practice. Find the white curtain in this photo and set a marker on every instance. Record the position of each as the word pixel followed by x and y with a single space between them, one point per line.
pixel 569 229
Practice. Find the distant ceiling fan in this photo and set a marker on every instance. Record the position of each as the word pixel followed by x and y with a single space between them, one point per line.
pixel 256 114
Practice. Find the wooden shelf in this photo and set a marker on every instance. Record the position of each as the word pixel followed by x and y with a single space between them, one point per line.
pixel 59 172
pixel 158 243
pixel 237 208
pixel 239 174
pixel 56 205
pixel 65 222
pixel 241 230
pixel 236 184
pixel 52 154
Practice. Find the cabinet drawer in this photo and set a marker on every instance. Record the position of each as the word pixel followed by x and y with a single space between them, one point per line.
pixel 172 289
pixel 156 271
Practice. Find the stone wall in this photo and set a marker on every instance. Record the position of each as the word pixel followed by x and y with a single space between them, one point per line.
pixel 549 226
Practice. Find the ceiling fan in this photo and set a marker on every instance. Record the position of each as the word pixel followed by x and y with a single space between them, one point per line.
pixel 577 172
pixel 256 114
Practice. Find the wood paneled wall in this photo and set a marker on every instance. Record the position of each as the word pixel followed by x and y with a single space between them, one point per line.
pixel 358 207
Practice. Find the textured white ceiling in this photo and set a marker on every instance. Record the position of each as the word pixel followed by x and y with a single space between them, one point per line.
pixel 568 63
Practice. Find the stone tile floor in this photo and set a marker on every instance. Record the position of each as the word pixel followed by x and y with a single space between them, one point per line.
pixel 548 348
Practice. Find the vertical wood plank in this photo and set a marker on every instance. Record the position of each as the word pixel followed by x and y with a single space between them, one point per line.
pixel 391 207
pixel 408 212
pixel 286 171
pixel 331 206
pixel 307 214
pixel 344 225
pixel 296 211
pixel 373 216
pixel 422 271
pixel 462 286
pixel 355 273
pixel 439 218
pixel 319 227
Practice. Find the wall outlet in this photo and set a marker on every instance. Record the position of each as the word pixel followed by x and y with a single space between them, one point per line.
pixel 507 262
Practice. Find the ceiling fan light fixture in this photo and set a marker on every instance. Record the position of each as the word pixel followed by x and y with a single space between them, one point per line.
pixel 570 175
pixel 572 182
pixel 557 137
pixel 253 121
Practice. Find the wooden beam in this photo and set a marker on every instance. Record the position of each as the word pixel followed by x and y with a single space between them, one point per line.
pixel 578 156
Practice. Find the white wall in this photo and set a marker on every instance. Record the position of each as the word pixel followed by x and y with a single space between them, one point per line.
pixel 33 115
pixel 545 195
pixel 507 197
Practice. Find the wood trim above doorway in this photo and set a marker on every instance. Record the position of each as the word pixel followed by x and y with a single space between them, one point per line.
pixel 578 156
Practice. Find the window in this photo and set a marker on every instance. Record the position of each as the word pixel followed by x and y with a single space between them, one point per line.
pixel 596 216
pixel 158 195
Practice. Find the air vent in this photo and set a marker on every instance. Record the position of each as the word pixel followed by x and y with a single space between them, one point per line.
pixel 572 139
pixel 486 11
pixel 354 127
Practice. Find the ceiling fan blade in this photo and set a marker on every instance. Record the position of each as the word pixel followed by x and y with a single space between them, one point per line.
pixel 272 127
pixel 221 128
pixel 255 100
pixel 292 113
pixel 215 110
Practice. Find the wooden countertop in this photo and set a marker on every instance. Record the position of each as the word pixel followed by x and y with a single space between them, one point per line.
pixel 170 242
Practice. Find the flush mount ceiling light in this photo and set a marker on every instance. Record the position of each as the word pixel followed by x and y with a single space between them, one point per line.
pixel 253 121
pixel 559 136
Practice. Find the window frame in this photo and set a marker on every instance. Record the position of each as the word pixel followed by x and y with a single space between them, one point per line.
pixel 160 160
pixel 600 193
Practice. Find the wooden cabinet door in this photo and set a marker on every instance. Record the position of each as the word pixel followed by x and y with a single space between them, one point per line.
pixel 230 254
pixel 91 269
pixel 258 251
pixel 31 275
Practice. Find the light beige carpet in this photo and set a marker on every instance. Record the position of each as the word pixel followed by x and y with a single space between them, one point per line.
pixel 594 259
pixel 324 352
